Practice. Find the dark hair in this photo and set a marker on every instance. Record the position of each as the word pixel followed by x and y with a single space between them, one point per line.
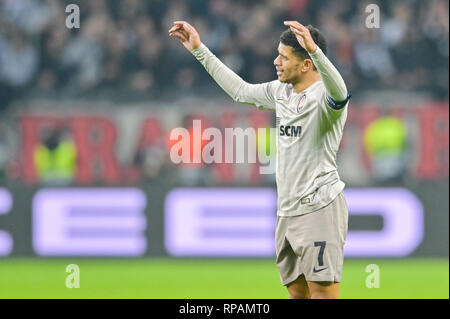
pixel 288 38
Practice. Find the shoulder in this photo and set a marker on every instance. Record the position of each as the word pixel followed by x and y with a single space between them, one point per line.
pixel 316 92
pixel 277 85
pixel 319 87
pixel 280 89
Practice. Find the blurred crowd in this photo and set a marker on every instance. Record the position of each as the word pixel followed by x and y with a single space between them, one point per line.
pixel 123 45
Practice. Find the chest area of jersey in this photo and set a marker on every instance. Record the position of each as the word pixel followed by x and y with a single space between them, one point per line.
pixel 295 114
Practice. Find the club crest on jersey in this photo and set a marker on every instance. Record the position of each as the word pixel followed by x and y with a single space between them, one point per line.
pixel 301 103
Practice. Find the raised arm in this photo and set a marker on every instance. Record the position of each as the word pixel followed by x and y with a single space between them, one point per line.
pixel 260 95
pixel 331 78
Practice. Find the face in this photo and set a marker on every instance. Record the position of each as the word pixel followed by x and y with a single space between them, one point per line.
pixel 290 67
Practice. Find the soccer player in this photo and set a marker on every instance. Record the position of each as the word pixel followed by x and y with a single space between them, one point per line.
pixel 310 100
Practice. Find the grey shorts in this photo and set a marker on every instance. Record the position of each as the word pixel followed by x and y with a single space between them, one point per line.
pixel 313 244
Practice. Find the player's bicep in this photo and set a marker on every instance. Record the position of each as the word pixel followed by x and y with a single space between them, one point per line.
pixel 331 111
pixel 337 105
pixel 333 106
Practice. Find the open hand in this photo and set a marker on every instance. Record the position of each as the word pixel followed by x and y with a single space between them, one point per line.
pixel 303 35
pixel 186 33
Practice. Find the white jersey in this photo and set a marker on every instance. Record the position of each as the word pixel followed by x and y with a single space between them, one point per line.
pixel 309 131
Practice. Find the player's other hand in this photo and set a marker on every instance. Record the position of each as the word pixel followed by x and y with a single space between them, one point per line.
pixel 186 33
pixel 303 35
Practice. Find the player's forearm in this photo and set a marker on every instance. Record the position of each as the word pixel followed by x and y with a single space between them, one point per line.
pixel 229 81
pixel 332 79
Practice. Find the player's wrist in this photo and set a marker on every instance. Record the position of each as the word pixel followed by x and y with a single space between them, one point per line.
pixel 198 48
pixel 314 50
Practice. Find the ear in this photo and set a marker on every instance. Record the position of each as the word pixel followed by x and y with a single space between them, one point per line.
pixel 307 65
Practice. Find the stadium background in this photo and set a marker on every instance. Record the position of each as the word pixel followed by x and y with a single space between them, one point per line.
pixel 85 173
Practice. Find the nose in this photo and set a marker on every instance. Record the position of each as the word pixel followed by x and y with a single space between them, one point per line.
pixel 276 61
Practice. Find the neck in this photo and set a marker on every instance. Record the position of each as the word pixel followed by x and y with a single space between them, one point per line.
pixel 306 81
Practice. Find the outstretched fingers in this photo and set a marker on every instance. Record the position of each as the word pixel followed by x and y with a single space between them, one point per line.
pixel 183 23
pixel 174 28
pixel 296 26
pixel 186 33
pixel 296 32
pixel 183 26
pixel 189 28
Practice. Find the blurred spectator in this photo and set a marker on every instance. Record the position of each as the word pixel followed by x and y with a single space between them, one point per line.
pixel 30 16
pixel 396 26
pixel 19 61
pixel 385 140
pixel 55 157
pixel 152 160
pixel 85 52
